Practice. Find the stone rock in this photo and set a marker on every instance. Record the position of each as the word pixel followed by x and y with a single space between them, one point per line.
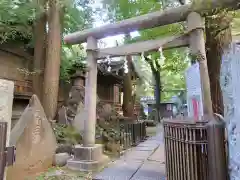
pixel 61 159
pixel 229 81
pixel 6 101
pixel 62 116
pixel 76 96
pixel 78 121
pixel 80 107
pixel 54 174
pixel 64 148
pixel 75 102
pixel 35 142
pixel 106 112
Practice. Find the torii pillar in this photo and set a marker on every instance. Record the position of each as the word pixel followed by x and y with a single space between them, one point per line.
pixel 89 156
pixel 217 168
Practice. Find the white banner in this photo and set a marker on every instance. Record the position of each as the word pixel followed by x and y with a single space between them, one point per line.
pixel 194 95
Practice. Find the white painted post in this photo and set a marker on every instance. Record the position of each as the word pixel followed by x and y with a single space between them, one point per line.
pixel 6 102
pixel 90 94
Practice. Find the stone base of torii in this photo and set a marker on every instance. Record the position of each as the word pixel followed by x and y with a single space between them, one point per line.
pixel 89 156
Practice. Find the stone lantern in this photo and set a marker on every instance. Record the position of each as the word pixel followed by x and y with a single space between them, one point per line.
pixel 78 79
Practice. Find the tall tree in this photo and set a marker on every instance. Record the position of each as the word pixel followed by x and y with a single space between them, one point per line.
pixel 119 10
pixel 26 21
pixel 218 37
pixel 128 103
pixel 156 68
pixel 52 66
pixel 40 35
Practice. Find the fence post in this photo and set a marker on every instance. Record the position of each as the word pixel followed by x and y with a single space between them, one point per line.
pixel 3 137
pixel 217 166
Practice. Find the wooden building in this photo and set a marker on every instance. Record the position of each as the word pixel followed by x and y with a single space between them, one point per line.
pixel 16 63
pixel 110 84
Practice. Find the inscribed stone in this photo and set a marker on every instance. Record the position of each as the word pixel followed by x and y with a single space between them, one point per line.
pixel 6 101
pixel 35 142
pixel 62 116
pixel 78 121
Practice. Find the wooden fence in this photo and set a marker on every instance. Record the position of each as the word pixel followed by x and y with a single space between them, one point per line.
pixel 186 150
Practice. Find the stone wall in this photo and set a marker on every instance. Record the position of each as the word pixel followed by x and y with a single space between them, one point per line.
pixel 230 78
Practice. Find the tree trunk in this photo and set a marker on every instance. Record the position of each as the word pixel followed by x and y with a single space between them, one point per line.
pixel 157 93
pixel 158 86
pixel 218 36
pixel 128 106
pixel 52 67
pixel 39 52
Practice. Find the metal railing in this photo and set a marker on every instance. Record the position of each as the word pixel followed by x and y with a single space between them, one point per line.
pixel 186 150
pixel 132 133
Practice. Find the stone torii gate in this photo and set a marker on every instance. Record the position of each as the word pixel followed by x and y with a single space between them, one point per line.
pixel 89 155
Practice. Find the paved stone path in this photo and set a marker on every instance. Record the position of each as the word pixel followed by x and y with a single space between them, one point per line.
pixel 143 162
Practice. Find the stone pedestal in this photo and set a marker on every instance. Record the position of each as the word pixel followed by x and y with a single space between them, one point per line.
pixel 87 158
pixel 78 79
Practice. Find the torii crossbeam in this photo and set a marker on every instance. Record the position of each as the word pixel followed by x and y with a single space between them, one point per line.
pixel 89 154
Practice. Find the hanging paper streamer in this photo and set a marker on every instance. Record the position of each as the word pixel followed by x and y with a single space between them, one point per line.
pixel 125 66
pixel 142 56
pixel 162 58
pixel 109 62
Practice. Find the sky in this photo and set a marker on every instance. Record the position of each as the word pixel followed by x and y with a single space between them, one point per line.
pixel 108 41
pixel 111 41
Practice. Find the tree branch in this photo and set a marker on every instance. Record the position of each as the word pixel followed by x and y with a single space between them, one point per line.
pixel 150 62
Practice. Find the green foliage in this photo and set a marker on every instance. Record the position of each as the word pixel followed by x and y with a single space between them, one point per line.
pixel 78 15
pixel 73 58
pixel 172 70
pixel 236 24
pixel 67 134
pixel 17 20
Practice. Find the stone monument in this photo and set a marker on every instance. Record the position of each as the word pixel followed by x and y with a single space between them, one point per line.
pixel 230 78
pixel 34 140
pixel 6 102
